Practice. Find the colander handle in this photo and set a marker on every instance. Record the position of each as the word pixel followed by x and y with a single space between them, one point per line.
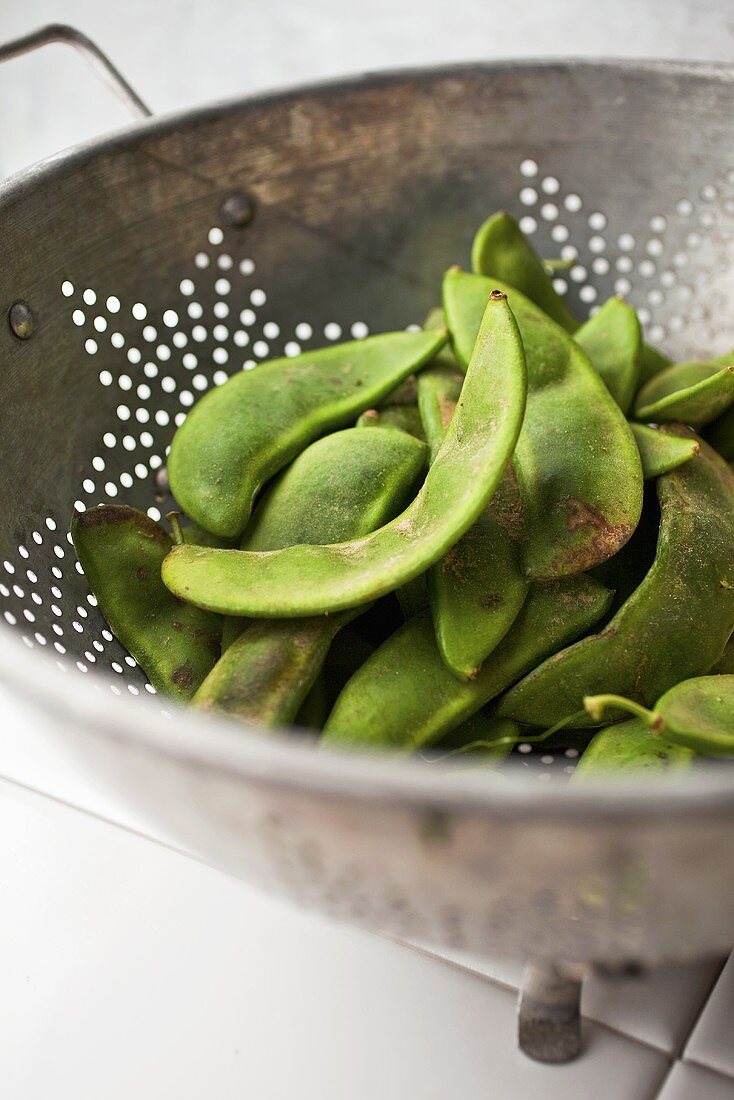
pixel 60 32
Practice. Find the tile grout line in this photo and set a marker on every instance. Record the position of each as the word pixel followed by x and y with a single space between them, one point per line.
pixel 709 1068
pixel 663 1080
pixel 678 1053
pixel 111 822
pixel 509 988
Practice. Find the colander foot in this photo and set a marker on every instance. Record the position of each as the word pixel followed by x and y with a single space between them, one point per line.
pixel 549 1018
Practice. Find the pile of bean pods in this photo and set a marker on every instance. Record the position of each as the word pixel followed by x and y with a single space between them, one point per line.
pixel 521 526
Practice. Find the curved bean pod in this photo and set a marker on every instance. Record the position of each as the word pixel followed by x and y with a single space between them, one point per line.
pixel 404 418
pixel 673 626
pixel 342 486
pixel 725 663
pixel 502 251
pixel 243 432
pixel 478 587
pixel 693 393
pixel 720 434
pixel 306 580
pixel 661 452
pixel 630 746
pixel 612 339
pixel 404 697
pixel 696 713
pixel 267 673
pixel 121 551
pixel 576 459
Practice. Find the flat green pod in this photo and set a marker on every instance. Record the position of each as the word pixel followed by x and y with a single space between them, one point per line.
pixel 439 389
pixel 314 710
pixel 693 393
pixel 674 625
pixel 341 662
pixel 660 451
pixel 413 596
pixel 720 434
pixel 697 713
pixel 197 536
pixel 477 589
pixel 404 697
pixel 630 746
pixel 612 339
pixel 342 486
pixel 652 362
pixel 121 551
pixel 306 580
pixel 502 251
pixel 240 434
pixel 266 674
pixel 725 663
pixel 403 418
pixel 576 459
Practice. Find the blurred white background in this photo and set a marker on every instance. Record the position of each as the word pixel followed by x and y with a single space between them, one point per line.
pixel 179 53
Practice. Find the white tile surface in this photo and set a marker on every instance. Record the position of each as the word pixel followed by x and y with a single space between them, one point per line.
pixel 131 971
pixel 657 1008
pixel 712 1041
pixel 687 1082
pixel 32 754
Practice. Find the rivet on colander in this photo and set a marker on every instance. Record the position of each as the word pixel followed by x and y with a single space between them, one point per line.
pixel 238 209
pixel 21 320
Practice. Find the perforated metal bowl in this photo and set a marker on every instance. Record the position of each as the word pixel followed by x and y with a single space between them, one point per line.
pixel 141 270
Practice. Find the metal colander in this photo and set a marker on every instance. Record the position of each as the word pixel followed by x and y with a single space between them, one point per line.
pixel 144 269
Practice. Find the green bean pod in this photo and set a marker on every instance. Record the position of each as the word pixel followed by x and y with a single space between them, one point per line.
pixel 342 486
pixel 576 459
pixel 404 418
pixel 661 452
pixel 725 663
pixel 267 673
pixel 697 713
pixel 693 393
pixel 121 551
pixel 612 339
pixel 243 432
pixel 673 626
pixel 630 746
pixel 404 697
pixel 502 251
pixel 720 434
pixel 342 661
pixel 307 580
pixel 478 587
pixel 652 362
